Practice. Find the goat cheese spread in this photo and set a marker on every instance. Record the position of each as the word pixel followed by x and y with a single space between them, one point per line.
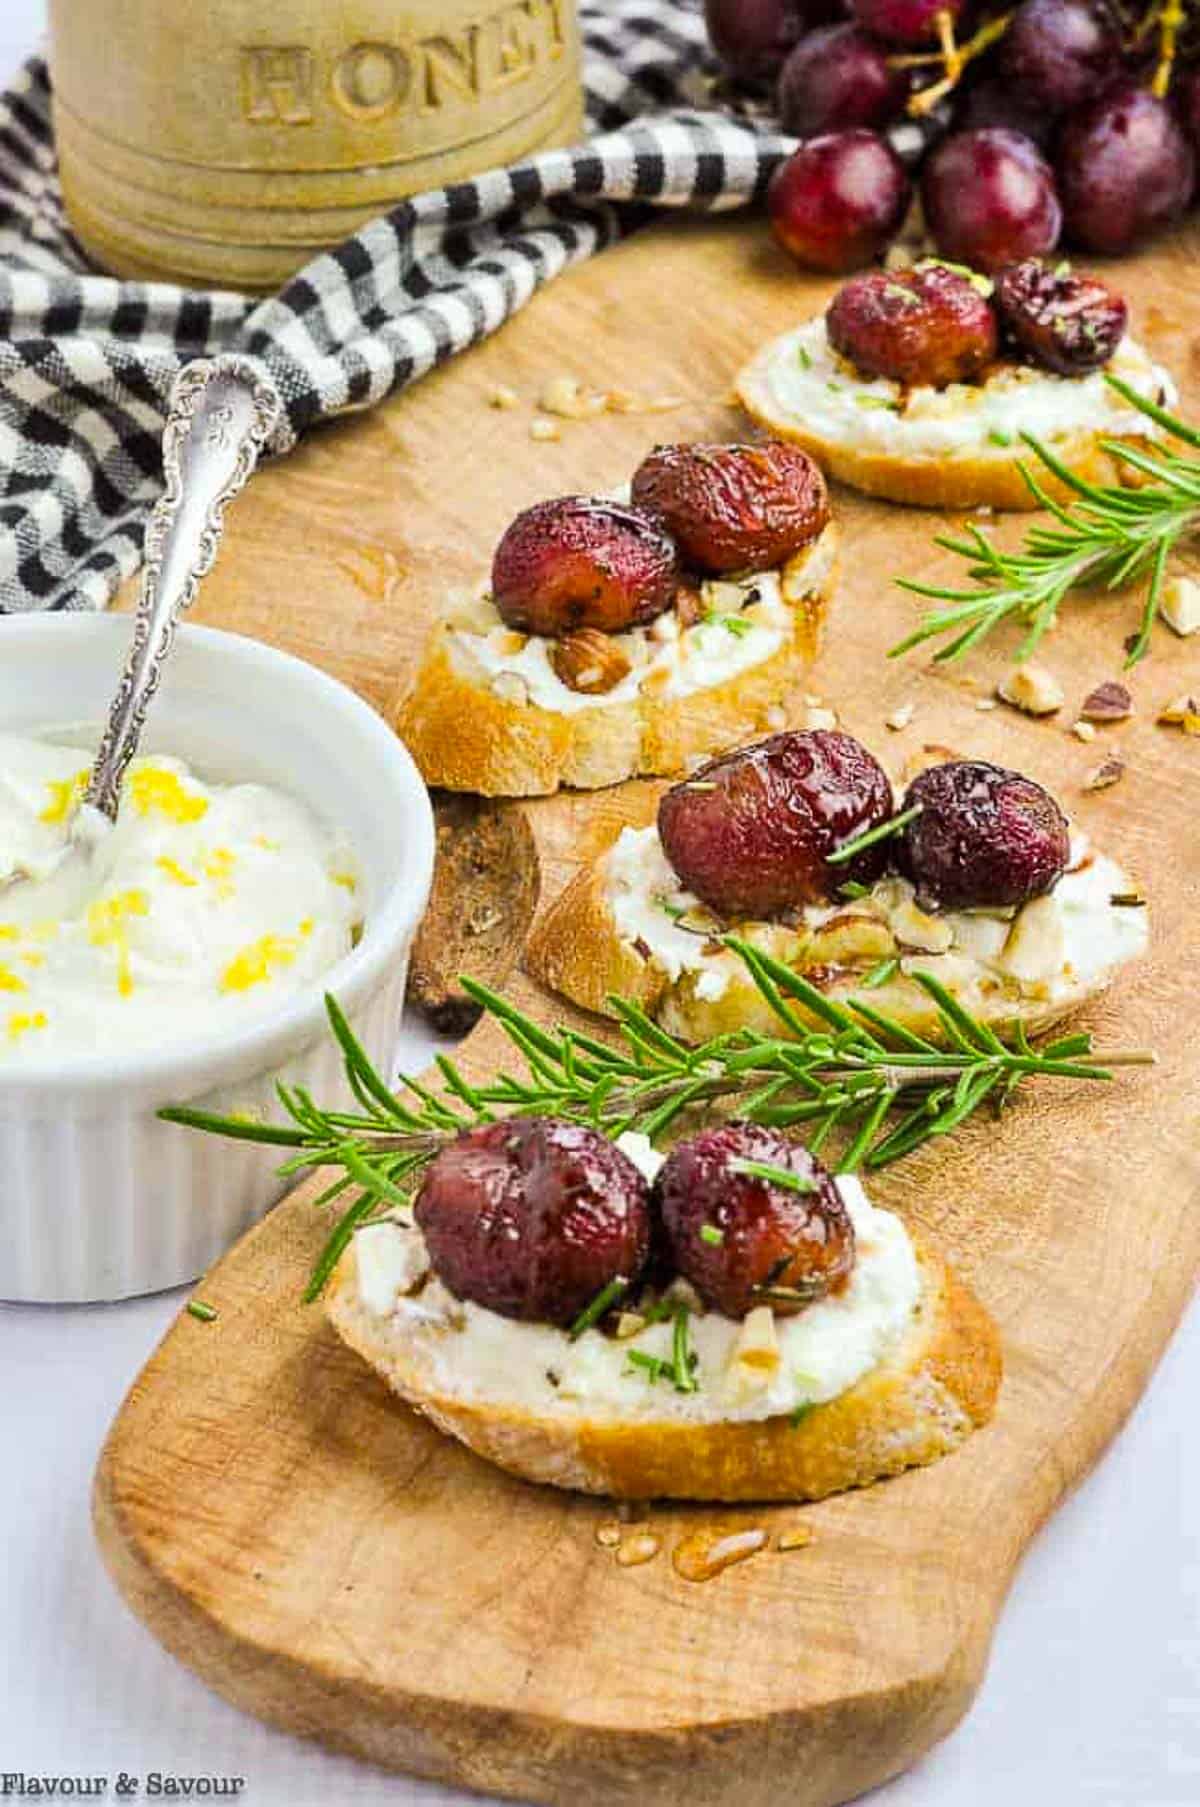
pixel 204 905
pixel 476 1354
pixel 809 380
pixel 743 622
pixel 1045 951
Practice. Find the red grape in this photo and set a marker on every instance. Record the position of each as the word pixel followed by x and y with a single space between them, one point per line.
pixel 903 21
pixel 839 200
pixel 989 198
pixel 837 78
pixel 581 561
pixel 1125 168
pixel 924 326
pixel 986 837
pixel 994 101
pixel 752 37
pixel 1186 96
pixel 1066 322
pixel 745 1240
pixel 1058 53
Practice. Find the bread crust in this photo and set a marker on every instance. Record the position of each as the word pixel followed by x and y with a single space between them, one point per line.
pixel 576 949
pixel 987 480
pixel 465 737
pixel 938 1385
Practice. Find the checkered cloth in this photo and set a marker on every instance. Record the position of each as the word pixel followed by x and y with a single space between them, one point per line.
pixel 87 362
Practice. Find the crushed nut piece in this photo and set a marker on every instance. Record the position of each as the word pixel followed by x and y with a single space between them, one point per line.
pixel 628 1324
pixel 899 719
pixel 503 397
pixel 820 718
pixel 1109 771
pixel 589 662
pixel 1032 689
pixel 795 1537
pixel 1179 605
pixel 1183 712
pixel 1083 730
pixel 608 1535
pixel 985 703
pixel 643 1547
pixel 541 428
pixel 1108 702
pixel 567 397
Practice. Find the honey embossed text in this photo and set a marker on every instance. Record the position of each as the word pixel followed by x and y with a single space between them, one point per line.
pixel 292 85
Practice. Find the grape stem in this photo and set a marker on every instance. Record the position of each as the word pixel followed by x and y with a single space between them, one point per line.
pixel 1170 19
pixel 953 57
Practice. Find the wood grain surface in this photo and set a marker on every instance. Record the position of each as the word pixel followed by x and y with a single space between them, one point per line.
pixel 330 1563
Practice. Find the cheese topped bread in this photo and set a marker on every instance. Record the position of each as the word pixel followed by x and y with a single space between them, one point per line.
pixel 1025 952
pixel 631 635
pixel 940 431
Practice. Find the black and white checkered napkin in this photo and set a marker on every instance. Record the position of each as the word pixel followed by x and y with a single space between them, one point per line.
pixel 87 362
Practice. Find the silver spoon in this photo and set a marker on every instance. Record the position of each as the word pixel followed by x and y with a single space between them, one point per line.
pixel 222 411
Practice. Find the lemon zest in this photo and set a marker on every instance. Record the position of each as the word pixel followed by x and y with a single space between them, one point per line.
pixel 21 1022
pixel 108 926
pixel 65 794
pixel 153 789
pixel 259 961
pixel 9 980
pixel 174 870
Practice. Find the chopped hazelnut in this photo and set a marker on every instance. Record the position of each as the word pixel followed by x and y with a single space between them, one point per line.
pixel 503 397
pixel 589 662
pixel 541 428
pixel 900 718
pixel 1032 689
pixel 1109 771
pixel 1182 712
pixel 1108 702
pixel 1179 605
pixel 1083 730
pixel 566 397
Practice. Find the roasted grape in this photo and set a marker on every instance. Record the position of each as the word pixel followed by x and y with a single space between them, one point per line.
pixel 1058 53
pixel 532 1217
pixel 752 37
pixel 838 78
pixel 734 507
pixel 839 200
pixel 751 833
pixel 929 325
pixel 986 837
pixel 989 198
pixel 745 1240
pixel 1069 323
pixel 1125 168
pixel 904 21
pixel 580 562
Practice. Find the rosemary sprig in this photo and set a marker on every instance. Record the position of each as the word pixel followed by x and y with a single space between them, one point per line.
pixel 882 831
pixel 1106 536
pixel 830 1070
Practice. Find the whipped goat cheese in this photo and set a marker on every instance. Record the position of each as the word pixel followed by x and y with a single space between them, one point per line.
pixel 1044 952
pixel 836 403
pixel 743 622
pixel 474 1352
pixel 204 905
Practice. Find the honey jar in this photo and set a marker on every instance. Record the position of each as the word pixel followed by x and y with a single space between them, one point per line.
pixel 226 142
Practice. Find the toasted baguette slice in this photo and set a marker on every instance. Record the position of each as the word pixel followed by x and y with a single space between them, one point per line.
pixel 577 948
pixel 939 1383
pixel 468 735
pixel 974 473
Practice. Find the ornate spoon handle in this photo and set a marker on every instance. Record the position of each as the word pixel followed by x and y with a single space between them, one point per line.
pixel 222 411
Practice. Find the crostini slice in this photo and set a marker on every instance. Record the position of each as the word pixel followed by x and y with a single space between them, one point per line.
pixel 488 712
pixel 917 385
pixel 626 925
pixel 893 1372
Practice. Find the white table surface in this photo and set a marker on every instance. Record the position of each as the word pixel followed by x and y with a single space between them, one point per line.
pixel 1092 1698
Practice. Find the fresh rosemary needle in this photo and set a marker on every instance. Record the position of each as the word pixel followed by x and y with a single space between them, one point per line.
pixel 829 1070
pixel 1103 538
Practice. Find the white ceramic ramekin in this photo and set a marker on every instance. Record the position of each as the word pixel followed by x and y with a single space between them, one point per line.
pixel 99 1199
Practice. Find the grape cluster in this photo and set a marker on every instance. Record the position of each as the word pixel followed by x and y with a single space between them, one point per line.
pixel 1069 121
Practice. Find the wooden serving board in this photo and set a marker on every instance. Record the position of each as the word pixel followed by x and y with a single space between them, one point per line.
pixel 327 1561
